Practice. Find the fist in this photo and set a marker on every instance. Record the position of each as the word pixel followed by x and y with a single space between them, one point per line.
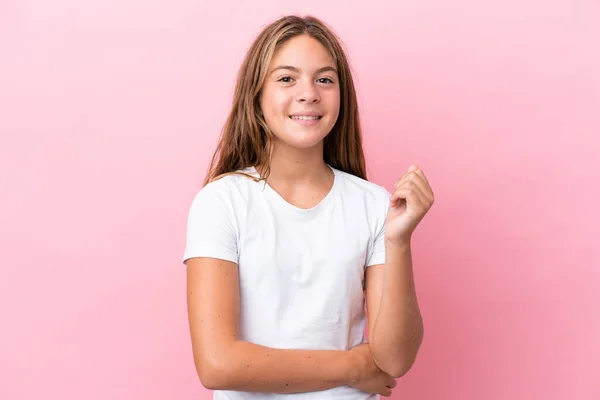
pixel 410 201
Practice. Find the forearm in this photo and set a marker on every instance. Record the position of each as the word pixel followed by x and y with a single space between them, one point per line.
pixel 398 329
pixel 253 368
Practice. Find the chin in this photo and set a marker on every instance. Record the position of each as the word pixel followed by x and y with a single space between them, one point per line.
pixel 305 137
pixel 303 140
pixel 300 143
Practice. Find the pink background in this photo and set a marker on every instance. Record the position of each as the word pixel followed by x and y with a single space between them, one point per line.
pixel 109 111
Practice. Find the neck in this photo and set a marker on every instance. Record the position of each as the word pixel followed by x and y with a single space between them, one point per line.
pixel 298 165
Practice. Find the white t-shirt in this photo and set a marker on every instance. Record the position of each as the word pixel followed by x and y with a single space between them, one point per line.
pixel 301 271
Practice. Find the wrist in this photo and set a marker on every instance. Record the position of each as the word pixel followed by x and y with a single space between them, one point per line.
pixel 403 243
pixel 350 368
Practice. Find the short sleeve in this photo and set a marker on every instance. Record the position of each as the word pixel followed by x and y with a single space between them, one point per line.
pixel 211 229
pixel 377 249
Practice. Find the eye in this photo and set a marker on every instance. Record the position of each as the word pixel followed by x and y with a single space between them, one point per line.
pixel 285 79
pixel 324 80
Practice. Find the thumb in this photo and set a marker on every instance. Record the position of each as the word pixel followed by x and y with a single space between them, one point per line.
pixel 412 168
pixel 395 200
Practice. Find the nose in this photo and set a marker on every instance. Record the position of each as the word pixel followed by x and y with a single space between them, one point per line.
pixel 308 93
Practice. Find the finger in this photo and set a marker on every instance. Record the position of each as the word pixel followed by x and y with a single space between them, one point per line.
pixel 411 169
pixel 416 172
pixel 419 178
pixel 385 392
pixel 413 185
pixel 391 383
pixel 410 194
pixel 402 179
pixel 425 192
pixel 422 175
pixel 426 181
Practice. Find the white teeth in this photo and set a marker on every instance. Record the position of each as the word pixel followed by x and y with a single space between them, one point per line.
pixel 303 117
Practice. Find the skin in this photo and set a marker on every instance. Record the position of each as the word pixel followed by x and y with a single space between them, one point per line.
pixel 298 171
pixel 299 175
pixel 395 321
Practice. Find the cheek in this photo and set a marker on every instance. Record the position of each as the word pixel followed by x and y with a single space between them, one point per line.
pixel 275 104
pixel 281 103
pixel 274 107
pixel 333 101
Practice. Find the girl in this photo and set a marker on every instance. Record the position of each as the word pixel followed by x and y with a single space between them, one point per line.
pixel 287 239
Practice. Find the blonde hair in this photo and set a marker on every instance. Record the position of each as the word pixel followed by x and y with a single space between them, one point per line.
pixel 247 141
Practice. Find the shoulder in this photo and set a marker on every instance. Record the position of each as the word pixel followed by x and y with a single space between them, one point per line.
pixel 367 202
pixel 359 188
pixel 221 200
pixel 212 222
pixel 227 194
pixel 228 186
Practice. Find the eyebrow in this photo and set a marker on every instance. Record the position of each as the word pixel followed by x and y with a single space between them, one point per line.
pixel 292 68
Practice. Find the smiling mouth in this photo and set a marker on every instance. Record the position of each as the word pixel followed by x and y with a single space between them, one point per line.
pixel 305 117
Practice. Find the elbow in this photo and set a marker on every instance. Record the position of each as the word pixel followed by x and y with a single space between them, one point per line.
pixel 213 373
pixel 394 366
pixel 398 362
pixel 214 377
pixel 397 369
pixel 211 379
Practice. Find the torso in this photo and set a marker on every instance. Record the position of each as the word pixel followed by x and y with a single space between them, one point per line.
pixel 301 271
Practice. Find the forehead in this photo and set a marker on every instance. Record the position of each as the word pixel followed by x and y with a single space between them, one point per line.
pixel 303 52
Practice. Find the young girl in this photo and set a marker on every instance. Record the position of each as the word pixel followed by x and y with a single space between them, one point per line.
pixel 287 238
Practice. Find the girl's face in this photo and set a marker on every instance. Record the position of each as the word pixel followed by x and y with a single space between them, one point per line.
pixel 300 99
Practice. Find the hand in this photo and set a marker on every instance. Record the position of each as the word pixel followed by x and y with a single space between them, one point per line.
pixel 366 375
pixel 411 200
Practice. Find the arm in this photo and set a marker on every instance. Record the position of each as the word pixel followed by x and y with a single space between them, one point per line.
pixel 395 322
pixel 224 362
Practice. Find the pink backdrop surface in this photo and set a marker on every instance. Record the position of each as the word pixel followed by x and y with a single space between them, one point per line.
pixel 110 109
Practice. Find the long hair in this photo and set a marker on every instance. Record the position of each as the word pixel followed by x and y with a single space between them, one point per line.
pixel 247 141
